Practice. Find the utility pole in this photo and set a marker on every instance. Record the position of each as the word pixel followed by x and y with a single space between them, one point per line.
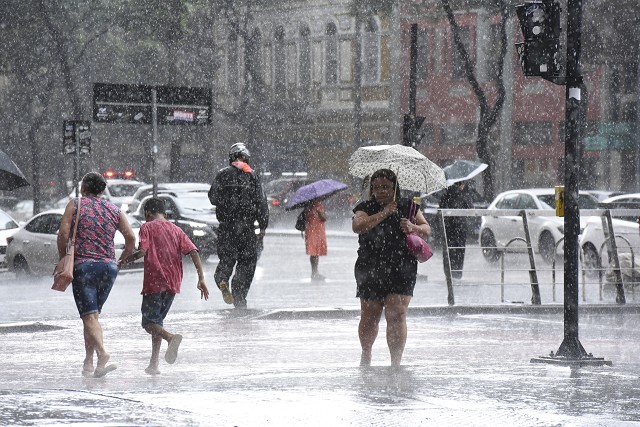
pixel 571 352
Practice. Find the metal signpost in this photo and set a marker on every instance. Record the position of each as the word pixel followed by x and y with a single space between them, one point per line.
pixel 154 105
pixel 76 140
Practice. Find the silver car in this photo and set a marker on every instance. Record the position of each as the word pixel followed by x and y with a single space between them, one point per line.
pixel 33 249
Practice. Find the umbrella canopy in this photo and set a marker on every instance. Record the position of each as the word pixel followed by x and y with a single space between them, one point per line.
pixel 10 175
pixel 462 170
pixel 317 189
pixel 415 172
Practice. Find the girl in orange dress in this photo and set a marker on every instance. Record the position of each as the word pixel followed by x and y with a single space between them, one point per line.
pixel 315 236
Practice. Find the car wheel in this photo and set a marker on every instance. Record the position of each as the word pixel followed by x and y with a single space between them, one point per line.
pixel 489 248
pixel 547 247
pixel 591 262
pixel 21 267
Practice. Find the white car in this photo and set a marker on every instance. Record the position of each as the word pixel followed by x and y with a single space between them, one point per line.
pixel 170 188
pixel 545 231
pixel 8 226
pixel 625 228
pixel 118 191
pixel 33 249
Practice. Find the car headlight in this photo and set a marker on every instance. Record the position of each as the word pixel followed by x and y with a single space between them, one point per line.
pixel 199 233
pixel 561 229
pixel 194 224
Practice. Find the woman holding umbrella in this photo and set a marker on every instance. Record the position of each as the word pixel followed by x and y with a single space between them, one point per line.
pixel 385 271
pixel 310 198
pixel 315 236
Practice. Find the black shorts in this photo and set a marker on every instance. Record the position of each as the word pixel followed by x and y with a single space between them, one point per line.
pixel 376 280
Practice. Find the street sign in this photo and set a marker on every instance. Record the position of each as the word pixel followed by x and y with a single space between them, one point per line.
pixel 73 130
pixel 122 103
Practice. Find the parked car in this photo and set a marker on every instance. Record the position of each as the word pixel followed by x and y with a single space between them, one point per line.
pixel 8 227
pixel 622 201
pixel 194 214
pixel 602 194
pixel 545 231
pixel 23 210
pixel 430 205
pixel 625 228
pixel 33 249
pixel 171 188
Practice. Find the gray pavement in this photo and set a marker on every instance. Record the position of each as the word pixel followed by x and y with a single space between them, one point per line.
pixel 292 358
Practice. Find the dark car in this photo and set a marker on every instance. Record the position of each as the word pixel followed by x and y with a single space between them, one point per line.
pixel 280 190
pixel 194 214
pixel 430 206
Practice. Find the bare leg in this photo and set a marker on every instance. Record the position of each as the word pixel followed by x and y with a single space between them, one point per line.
pixel 154 363
pixel 370 314
pixel 396 307
pixel 87 366
pixel 158 333
pixel 93 340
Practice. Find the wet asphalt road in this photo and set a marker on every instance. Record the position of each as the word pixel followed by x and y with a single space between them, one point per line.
pixel 292 358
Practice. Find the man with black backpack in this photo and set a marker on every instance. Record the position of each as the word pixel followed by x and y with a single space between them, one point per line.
pixel 240 203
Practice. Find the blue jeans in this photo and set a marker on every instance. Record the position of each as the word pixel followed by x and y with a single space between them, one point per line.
pixel 92 282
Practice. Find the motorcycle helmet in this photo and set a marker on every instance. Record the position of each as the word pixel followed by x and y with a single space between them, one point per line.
pixel 239 150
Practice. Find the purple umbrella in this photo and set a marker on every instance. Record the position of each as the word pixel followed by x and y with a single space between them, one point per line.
pixel 318 189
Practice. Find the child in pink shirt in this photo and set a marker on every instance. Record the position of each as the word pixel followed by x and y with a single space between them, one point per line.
pixel 163 244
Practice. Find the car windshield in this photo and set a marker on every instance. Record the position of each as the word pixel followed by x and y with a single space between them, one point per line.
pixel 585 201
pixel 6 223
pixel 123 190
pixel 197 204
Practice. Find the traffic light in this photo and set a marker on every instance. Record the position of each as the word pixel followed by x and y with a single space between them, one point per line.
pixel 411 135
pixel 540 24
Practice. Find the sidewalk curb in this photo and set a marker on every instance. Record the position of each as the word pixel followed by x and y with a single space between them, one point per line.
pixel 294 232
pixel 511 309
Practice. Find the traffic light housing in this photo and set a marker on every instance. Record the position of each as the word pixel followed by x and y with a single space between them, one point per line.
pixel 411 125
pixel 539 54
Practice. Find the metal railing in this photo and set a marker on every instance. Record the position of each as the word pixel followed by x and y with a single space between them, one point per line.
pixel 533 269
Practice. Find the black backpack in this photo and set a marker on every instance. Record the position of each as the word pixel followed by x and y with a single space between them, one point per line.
pixel 301 221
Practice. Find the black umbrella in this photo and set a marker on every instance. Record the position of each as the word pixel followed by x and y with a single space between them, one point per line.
pixel 11 177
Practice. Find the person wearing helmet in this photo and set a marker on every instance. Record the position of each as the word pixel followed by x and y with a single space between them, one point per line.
pixel 240 202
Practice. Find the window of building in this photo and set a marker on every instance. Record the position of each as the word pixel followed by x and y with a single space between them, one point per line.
pixel 331 54
pixel 305 57
pixel 254 60
pixel 532 133
pixel 232 62
pixel 279 62
pixel 423 55
pixel 370 51
pixel 458 134
pixel 457 61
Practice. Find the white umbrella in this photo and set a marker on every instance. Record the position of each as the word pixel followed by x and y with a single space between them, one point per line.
pixel 415 172
pixel 463 170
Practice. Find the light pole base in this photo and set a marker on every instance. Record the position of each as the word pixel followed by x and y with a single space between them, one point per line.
pixel 577 362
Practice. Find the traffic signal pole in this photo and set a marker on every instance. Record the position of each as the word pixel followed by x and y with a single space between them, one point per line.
pixel 411 123
pixel 571 352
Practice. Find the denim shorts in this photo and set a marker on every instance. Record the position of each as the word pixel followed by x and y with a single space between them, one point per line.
pixel 92 282
pixel 155 307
